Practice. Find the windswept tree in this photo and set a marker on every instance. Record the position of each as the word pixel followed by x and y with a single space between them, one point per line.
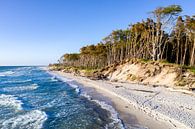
pixel 180 46
pixel 190 25
pixel 164 18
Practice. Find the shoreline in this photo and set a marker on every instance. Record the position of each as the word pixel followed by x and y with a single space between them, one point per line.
pixel 132 109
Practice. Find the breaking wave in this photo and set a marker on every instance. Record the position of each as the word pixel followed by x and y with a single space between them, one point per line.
pixel 7 73
pixel 16 81
pixel 77 89
pixel 21 88
pixel 31 120
pixel 53 79
pixel 10 101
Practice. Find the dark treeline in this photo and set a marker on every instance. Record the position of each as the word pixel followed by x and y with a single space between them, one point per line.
pixel 166 36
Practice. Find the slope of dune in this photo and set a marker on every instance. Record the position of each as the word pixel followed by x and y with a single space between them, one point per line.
pixel 152 73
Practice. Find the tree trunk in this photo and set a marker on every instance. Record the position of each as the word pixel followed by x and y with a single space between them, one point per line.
pixel 184 55
pixel 177 55
pixel 192 55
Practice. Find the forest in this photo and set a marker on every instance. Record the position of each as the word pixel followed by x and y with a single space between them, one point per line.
pixel 166 36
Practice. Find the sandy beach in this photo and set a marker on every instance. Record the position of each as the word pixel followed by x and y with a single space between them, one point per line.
pixel 151 107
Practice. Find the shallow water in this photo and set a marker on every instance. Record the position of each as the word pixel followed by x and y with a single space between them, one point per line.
pixel 31 98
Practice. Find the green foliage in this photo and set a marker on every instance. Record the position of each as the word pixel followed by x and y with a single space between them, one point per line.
pixel 172 9
pixel 191 69
pixel 71 57
pixel 169 10
pixel 145 60
pixel 133 78
pixel 164 62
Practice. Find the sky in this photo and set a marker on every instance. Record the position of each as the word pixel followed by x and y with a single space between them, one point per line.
pixel 38 32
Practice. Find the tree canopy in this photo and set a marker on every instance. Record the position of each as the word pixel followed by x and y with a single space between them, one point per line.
pixel 149 39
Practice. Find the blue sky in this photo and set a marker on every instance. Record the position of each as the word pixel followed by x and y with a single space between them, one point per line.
pixel 38 32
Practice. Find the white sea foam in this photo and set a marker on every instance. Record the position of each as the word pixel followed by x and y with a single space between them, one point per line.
pixel 7 73
pixel 114 114
pixel 60 77
pixel 17 81
pixel 10 101
pixel 53 79
pixel 77 89
pixel 21 88
pixel 31 120
pixel 69 81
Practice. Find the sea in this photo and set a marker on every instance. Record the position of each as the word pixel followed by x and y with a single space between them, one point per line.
pixel 34 98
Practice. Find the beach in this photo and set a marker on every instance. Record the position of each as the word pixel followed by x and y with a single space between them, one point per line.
pixel 148 106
